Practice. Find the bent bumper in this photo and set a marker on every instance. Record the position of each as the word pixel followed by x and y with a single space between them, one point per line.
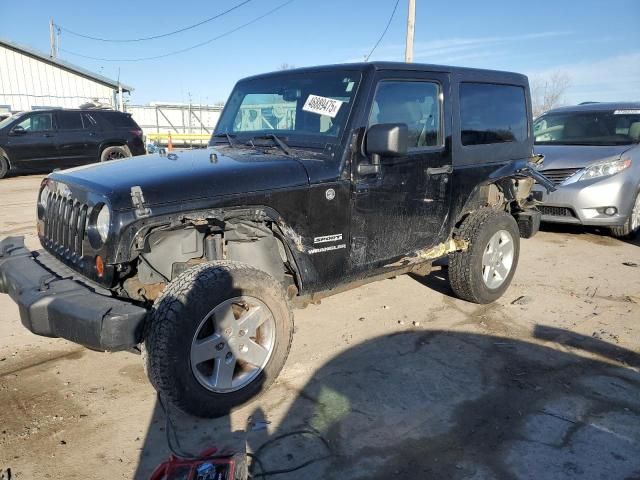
pixel 53 304
pixel 584 202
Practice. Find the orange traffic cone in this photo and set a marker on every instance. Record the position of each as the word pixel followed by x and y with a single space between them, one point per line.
pixel 169 143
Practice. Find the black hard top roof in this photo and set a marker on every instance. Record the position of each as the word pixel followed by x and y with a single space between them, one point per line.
pixel 484 75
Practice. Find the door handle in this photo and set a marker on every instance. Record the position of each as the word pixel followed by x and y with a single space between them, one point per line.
pixel 440 170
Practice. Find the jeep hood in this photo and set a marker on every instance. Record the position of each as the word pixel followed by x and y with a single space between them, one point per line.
pixel 186 175
pixel 577 156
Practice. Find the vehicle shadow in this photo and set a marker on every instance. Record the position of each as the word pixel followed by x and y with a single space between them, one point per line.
pixel 437 280
pixel 444 405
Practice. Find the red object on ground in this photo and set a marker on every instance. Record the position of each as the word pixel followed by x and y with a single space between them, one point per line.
pixel 207 467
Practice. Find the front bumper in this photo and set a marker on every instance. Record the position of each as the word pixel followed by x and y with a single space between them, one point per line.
pixel 53 303
pixel 584 202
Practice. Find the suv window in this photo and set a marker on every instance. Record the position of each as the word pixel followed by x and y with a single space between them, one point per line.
pixel 415 103
pixel 491 113
pixel 69 121
pixel 116 119
pixel 38 122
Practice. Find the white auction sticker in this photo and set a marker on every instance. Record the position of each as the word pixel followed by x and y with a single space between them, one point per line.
pixel 322 105
pixel 626 112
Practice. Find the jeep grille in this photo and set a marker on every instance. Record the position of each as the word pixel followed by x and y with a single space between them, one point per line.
pixel 65 224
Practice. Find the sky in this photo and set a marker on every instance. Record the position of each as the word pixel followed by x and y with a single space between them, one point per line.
pixel 596 44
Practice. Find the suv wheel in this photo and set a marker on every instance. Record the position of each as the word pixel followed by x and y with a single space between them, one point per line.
pixel 632 226
pixel 219 335
pixel 4 165
pixel 483 272
pixel 114 153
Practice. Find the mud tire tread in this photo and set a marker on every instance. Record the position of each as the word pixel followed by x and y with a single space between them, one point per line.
pixel 465 277
pixel 203 287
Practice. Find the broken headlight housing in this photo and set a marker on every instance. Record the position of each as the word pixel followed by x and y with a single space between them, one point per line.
pixel 605 169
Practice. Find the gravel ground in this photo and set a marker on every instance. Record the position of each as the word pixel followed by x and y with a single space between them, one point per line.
pixel 399 378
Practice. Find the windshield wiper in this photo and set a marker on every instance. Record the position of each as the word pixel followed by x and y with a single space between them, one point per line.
pixel 279 142
pixel 226 135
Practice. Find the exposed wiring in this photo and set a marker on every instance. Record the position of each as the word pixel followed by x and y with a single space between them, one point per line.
pixel 169 430
pixel 173 442
pixel 395 7
pixel 153 37
pixel 268 473
pixel 183 50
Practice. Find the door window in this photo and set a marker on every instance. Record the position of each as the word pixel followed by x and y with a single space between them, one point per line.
pixel 38 122
pixel 69 121
pixel 416 104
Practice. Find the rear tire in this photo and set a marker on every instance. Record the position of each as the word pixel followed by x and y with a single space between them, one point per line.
pixel 632 226
pixel 114 153
pixel 208 332
pixel 483 272
pixel 4 165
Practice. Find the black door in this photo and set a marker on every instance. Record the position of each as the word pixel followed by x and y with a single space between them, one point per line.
pixel 31 142
pixel 76 144
pixel 403 208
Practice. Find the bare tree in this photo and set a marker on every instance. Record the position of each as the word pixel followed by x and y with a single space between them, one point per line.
pixel 548 92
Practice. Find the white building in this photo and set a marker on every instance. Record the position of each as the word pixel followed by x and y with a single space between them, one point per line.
pixel 30 80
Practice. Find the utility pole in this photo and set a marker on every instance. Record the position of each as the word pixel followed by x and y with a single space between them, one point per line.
pixel 52 39
pixel 411 24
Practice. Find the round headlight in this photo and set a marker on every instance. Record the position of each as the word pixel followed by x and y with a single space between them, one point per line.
pixel 44 194
pixel 103 222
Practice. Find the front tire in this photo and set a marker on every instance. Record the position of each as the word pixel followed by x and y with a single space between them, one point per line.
pixel 632 226
pixel 483 272
pixel 218 336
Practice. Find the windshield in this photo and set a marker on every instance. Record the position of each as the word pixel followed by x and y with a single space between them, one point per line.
pixel 301 108
pixel 8 120
pixel 614 127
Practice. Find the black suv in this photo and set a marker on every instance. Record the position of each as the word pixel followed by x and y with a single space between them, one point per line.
pixel 44 140
pixel 316 180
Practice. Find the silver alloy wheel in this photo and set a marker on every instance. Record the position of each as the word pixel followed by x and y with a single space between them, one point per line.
pixel 115 155
pixel 233 344
pixel 635 215
pixel 497 259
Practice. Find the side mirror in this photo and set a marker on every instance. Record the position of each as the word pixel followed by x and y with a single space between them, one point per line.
pixel 18 130
pixel 384 140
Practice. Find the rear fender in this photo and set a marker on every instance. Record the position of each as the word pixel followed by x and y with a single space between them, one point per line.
pixel 499 190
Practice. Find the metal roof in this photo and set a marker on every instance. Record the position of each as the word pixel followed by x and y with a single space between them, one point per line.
pixel 64 65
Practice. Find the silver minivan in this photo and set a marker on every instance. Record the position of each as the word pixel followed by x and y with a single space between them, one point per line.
pixel 592 153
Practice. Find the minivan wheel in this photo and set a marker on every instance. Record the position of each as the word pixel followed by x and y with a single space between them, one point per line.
pixel 632 226
pixel 218 336
pixel 483 272
pixel 4 166
pixel 114 153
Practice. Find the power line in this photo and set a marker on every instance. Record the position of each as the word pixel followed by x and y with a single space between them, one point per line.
pixel 395 7
pixel 153 37
pixel 183 50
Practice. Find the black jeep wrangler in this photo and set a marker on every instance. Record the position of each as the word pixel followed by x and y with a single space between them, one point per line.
pixel 315 180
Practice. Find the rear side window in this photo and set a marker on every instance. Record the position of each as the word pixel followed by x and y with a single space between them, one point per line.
pixel 69 120
pixel 491 113
pixel 116 119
